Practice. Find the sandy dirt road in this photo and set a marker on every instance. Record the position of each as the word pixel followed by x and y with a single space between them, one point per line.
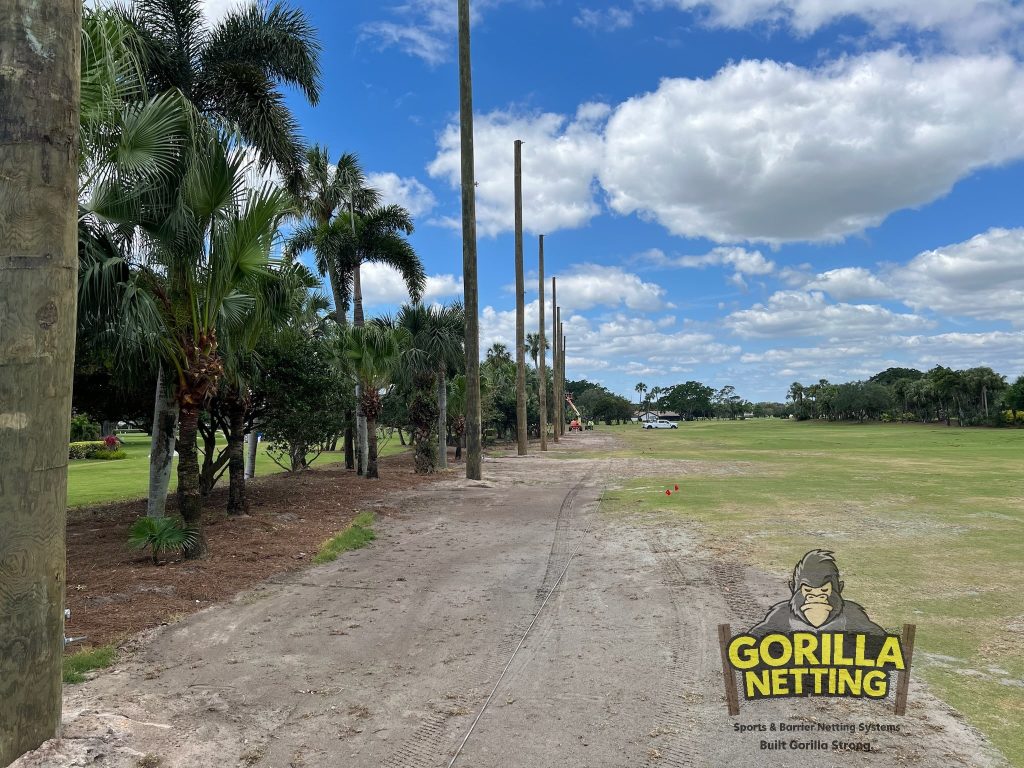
pixel 386 657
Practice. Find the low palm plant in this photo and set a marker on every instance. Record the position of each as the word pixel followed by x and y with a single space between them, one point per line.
pixel 163 534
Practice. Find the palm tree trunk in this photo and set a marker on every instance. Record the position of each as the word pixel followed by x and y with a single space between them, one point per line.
pixel 371 453
pixel 252 441
pixel 190 501
pixel 358 321
pixel 521 435
pixel 474 458
pixel 208 471
pixel 350 451
pixel 39 96
pixel 237 503
pixel 442 421
pixel 161 447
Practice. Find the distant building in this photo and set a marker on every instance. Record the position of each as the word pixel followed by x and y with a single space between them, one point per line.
pixel 642 416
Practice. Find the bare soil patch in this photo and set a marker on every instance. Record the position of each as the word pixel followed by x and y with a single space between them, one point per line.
pixel 114 591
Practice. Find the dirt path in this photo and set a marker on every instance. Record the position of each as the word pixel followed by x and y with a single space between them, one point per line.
pixel 385 657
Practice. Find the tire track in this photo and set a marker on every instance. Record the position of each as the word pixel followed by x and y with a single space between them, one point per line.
pixel 431 742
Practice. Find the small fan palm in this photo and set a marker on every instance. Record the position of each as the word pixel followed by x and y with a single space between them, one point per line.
pixel 164 534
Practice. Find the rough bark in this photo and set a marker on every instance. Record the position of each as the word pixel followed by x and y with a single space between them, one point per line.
pixel 371 449
pixel 442 421
pixel 401 437
pixel 350 451
pixel 39 85
pixel 161 447
pixel 237 502
pixel 190 501
pixel 474 457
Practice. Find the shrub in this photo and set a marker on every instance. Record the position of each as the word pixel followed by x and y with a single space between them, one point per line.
pixel 162 534
pixel 83 428
pixel 112 442
pixel 108 455
pixel 85 450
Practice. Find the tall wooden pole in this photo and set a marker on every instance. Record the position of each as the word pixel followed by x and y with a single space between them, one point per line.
pixel 561 369
pixel 555 431
pixel 474 461
pixel 559 402
pixel 521 426
pixel 542 375
pixel 39 101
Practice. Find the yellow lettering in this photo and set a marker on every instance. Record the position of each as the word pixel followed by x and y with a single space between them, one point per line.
pixel 859 659
pixel 780 686
pixel 742 654
pixel 837 657
pixel 849 681
pixel 876 684
pixel 785 654
pixel 805 645
pixel 891 653
pixel 758 680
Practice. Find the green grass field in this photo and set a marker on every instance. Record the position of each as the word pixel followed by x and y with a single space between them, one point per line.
pixel 96 481
pixel 927 523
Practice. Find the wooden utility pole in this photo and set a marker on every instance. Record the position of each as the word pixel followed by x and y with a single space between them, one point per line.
pixel 559 402
pixel 542 376
pixel 474 461
pixel 555 432
pixel 521 426
pixel 39 100
pixel 561 370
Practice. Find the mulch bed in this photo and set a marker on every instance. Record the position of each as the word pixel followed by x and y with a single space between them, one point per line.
pixel 114 592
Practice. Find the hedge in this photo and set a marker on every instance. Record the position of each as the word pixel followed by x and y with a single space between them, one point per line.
pixel 94 449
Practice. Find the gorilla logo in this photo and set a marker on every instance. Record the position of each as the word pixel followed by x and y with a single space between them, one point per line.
pixel 816 604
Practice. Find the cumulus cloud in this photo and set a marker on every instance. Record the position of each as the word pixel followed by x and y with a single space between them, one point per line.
pixel 969 23
pixel 772 152
pixel 789 314
pixel 850 283
pixel 618 343
pixel 980 278
pixel 585 286
pixel 742 261
pixel 561 157
pixel 410 193
pixel 382 284
pixel 604 19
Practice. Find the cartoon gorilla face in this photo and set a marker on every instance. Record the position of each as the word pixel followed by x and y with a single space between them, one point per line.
pixel 816 587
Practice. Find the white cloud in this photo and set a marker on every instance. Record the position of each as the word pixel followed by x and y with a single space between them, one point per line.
pixel 561 157
pixel 850 283
pixel 382 284
pixel 426 29
pixel 409 192
pixel 981 278
pixel 789 314
pixel 613 344
pixel 215 10
pixel 742 261
pixel 771 152
pixel 604 19
pixel 585 286
pixel 970 23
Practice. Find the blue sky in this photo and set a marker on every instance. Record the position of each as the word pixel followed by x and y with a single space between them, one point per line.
pixel 744 192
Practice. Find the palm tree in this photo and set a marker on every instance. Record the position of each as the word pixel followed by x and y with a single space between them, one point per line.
pixel 205 283
pixel 498 351
pixel 374 352
pixel 641 390
pixel 433 348
pixel 37 302
pixel 533 347
pixel 132 152
pixel 232 71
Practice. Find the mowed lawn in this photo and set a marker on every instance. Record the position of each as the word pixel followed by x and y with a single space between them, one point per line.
pixel 927 523
pixel 96 481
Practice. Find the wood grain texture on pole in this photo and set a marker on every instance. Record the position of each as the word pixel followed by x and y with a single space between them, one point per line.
pixel 542 375
pixel 474 460
pixel 39 98
pixel 521 425
pixel 555 433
